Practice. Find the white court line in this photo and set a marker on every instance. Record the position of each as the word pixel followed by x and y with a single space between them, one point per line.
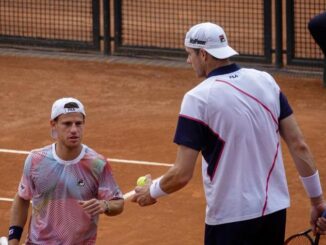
pixel 14 151
pixel 6 199
pixel 125 196
pixel 109 159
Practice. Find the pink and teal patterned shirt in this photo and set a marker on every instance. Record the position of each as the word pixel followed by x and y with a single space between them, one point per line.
pixel 55 186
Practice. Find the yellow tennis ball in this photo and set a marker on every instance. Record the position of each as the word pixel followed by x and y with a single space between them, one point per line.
pixel 141 181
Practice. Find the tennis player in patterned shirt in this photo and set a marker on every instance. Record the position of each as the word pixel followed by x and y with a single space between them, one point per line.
pixel 235 118
pixel 69 185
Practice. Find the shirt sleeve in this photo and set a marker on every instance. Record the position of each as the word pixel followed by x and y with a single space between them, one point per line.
pixel 191 127
pixel 108 188
pixel 26 186
pixel 285 108
pixel 190 132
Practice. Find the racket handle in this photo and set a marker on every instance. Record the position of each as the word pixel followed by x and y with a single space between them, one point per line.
pixel 318 235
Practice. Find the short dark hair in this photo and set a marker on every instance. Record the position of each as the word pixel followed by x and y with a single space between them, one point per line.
pixel 71 105
pixel 197 50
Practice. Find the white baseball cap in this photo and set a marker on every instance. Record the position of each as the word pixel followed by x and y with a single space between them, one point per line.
pixel 66 105
pixel 211 38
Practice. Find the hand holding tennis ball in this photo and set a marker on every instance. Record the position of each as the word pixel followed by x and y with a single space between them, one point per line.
pixel 142 191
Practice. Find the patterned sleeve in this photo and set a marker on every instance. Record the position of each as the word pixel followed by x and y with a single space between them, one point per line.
pixel 108 188
pixel 25 188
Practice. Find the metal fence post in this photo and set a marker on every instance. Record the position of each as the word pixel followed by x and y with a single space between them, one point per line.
pixel 107 29
pixel 278 34
pixel 96 23
pixel 268 30
pixel 117 23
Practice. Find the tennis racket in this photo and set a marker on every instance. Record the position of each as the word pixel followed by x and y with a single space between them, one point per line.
pixel 304 238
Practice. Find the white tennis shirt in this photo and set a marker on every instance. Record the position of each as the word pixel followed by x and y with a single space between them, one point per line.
pixel 232 117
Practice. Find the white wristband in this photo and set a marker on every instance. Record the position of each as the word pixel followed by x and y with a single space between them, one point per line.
pixel 155 189
pixel 312 185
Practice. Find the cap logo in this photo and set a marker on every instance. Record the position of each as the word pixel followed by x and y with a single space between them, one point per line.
pixel 222 38
pixel 196 41
pixel 69 110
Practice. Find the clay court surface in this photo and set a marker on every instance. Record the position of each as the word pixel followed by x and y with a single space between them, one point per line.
pixel 132 111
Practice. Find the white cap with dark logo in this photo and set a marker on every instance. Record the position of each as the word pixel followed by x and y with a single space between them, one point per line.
pixel 211 38
pixel 66 105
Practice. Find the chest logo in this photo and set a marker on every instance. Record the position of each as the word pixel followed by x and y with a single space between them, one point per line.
pixel 233 76
pixel 80 182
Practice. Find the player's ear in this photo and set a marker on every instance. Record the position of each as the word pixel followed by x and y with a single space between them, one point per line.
pixel 52 123
pixel 203 53
pixel 53 132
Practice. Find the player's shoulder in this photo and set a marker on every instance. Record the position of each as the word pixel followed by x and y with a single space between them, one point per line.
pixel 91 154
pixel 37 155
pixel 201 90
pixel 41 152
pixel 260 76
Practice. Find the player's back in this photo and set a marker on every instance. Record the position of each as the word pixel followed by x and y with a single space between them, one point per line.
pixel 242 110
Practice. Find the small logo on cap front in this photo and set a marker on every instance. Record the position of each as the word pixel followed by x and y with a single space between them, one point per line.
pixel 68 110
pixel 222 38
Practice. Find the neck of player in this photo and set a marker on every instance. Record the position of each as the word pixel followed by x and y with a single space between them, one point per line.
pixel 67 153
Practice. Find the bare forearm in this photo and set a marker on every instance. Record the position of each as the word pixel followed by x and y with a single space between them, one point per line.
pixel 19 212
pixel 181 172
pixel 303 159
pixel 115 207
pixel 298 148
pixel 172 181
pixel 18 216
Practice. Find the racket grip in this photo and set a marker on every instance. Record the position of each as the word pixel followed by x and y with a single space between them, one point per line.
pixel 324 214
pixel 318 235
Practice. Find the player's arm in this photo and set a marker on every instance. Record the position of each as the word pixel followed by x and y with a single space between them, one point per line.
pixel 181 172
pixel 173 180
pixel 107 207
pixel 305 165
pixel 113 207
pixel 18 218
pixel 298 148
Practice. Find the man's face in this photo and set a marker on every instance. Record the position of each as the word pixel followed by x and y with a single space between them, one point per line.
pixel 197 61
pixel 69 129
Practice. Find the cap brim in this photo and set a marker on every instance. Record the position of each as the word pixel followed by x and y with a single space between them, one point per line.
pixel 222 53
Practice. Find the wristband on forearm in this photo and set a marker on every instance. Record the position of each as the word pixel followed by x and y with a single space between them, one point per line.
pixel 155 189
pixel 312 185
pixel 15 232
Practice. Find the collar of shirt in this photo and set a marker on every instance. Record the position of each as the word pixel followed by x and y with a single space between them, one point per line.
pixel 224 70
